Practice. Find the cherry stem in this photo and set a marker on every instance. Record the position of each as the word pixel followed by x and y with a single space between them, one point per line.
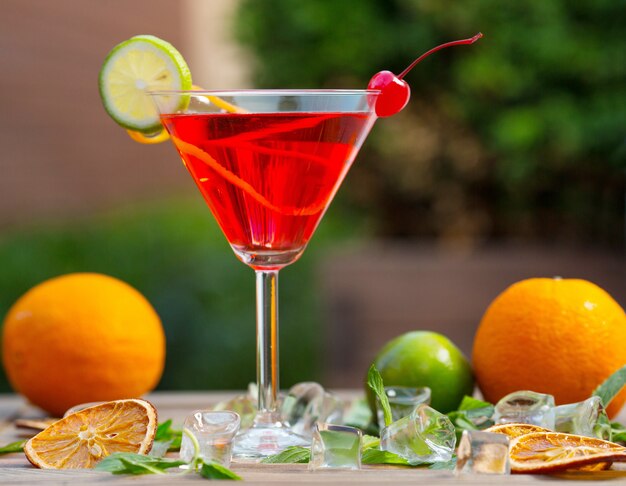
pixel 471 40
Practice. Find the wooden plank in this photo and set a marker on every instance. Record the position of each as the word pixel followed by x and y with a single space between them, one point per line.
pixel 298 474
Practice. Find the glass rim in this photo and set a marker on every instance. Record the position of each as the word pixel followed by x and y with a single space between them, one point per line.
pixel 265 92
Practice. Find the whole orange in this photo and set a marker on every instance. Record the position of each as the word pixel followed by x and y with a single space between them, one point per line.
pixel 557 336
pixel 79 338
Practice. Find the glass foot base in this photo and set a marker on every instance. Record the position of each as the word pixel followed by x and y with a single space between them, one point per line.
pixel 263 440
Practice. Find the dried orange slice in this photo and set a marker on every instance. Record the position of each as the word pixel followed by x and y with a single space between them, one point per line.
pixel 550 452
pixel 515 430
pixel 82 439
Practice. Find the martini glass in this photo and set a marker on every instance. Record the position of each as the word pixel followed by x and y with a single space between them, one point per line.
pixel 268 164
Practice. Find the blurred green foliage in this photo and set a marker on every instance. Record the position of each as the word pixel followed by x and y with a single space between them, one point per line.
pixel 174 253
pixel 522 135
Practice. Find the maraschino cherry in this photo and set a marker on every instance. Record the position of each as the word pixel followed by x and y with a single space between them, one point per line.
pixel 394 90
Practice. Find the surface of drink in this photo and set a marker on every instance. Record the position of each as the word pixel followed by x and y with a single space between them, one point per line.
pixel 268 177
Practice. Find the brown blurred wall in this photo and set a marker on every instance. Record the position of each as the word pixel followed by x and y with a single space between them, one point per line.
pixel 60 153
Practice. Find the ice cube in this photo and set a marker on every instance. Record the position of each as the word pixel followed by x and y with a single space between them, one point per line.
pixel 425 435
pixel 307 403
pixel 402 401
pixel 336 447
pixel 244 405
pixel 160 448
pixel 214 432
pixel 584 418
pixel 483 453
pixel 526 407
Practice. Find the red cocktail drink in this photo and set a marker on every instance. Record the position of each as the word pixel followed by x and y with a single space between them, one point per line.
pixel 268 177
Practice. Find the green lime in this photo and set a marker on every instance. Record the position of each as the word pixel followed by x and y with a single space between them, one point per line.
pixel 425 358
pixel 140 64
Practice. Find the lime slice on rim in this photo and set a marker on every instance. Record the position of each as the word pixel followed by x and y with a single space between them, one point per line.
pixel 140 64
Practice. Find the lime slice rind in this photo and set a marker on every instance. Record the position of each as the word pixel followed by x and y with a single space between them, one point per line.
pixel 133 68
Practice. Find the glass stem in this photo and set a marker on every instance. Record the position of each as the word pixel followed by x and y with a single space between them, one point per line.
pixel 267 346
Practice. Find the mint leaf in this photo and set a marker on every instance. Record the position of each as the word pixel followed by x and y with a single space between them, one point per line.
pixel 369 441
pixel 376 456
pixel 611 386
pixel 130 463
pixel 461 421
pixel 13 447
pixel 473 414
pixel 375 382
pixel 618 432
pixel 165 433
pixel 213 470
pixel 477 411
pixel 291 455
pixel 471 403
pixel 137 464
pixel 133 467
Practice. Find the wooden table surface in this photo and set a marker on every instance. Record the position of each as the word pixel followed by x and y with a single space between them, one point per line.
pixel 15 469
